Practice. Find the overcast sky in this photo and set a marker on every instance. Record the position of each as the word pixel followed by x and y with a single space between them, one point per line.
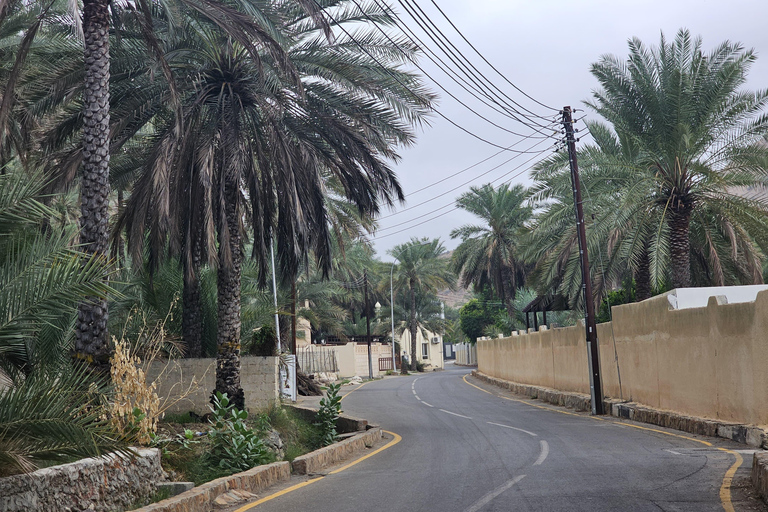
pixel 545 47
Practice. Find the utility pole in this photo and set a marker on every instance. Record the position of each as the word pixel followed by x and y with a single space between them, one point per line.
pixel 595 382
pixel 368 323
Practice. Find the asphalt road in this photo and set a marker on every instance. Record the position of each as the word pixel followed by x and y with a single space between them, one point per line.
pixel 468 450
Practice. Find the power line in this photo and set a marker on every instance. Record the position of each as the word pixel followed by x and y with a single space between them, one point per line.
pixel 468 182
pixel 421 21
pixel 489 64
pixel 446 213
pixel 445 68
pixel 465 130
pixel 449 93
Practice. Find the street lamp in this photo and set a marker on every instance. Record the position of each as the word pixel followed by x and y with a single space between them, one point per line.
pixel 392 314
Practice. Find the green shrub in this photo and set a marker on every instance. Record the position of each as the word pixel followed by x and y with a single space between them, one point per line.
pixel 330 408
pixel 234 445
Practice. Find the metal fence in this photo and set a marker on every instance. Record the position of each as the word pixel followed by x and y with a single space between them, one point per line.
pixel 317 358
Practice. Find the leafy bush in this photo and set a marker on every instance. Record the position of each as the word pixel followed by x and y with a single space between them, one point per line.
pixel 330 408
pixel 263 342
pixel 235 445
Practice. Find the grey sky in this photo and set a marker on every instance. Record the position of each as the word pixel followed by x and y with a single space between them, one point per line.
pixel 545 47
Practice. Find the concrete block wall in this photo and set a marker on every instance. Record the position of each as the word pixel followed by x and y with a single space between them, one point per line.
pixel 196 378
pixel 706 362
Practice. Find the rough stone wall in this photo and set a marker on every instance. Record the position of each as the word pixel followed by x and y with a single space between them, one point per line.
pixel 258 377
pixel 704 362
pixel 108 483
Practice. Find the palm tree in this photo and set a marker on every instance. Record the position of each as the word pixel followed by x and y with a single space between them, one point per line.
pixel 423 269
pixel 627 228
pixel 489 252
pixel 100 135
pixel 42 279
pixel 248 127
pixel 697 135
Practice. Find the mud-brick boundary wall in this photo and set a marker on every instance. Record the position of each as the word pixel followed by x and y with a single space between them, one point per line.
pixel 707 362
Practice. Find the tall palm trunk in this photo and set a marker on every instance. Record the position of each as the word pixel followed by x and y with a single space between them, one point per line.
pixel 643 277
pixel 680 246
pixel 191 317
pixel 92 340
pixel 413 327
pixel 228 357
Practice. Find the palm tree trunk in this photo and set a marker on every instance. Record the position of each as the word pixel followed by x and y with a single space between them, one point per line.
pixel 680 246
pixel 191 317
pixel 92 339
pixel 643 277
pixel 228 358
pixel 413 327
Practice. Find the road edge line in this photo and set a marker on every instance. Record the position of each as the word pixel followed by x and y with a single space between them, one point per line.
pixel 396 439
pixel 725 487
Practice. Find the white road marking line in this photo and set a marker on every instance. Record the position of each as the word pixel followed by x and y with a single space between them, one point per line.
pixel 493 494
pixel 512 428
pixel 455 414
pixel 673 451
pixel 417 397
pixel 425 403
pixel 544 453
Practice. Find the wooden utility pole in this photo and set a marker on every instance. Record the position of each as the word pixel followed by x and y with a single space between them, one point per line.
pixel 368 323
pixel 595 382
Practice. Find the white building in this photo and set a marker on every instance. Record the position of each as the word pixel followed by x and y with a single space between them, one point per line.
pixel 428 350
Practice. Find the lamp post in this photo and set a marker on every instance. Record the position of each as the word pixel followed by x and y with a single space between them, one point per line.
pixel 392 315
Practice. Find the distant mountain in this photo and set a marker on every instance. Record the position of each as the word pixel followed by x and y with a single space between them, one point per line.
pixel 454 298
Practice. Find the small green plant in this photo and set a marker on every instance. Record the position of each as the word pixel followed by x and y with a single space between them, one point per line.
pixel 234 445
pixel 330 408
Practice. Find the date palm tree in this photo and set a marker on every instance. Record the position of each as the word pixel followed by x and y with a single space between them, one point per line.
pixel 697 133
pixel 257 152
pixel 489 253
pixel 422 268
pixel 627 227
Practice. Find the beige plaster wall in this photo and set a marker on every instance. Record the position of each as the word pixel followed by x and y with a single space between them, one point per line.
pixel 434 357
pixel 708 362
pixel 185 384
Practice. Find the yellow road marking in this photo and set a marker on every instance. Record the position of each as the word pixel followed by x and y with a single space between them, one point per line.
pixel 393 442
pixel 265 499
pixel 725 488
pixel 278 494
pixel 358 387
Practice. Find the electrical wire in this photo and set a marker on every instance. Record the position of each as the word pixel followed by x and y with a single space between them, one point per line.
pixel 489 64
pixel 445 68
pixel 446 118
pixel 446 42
pixel 445 213
pixel 449 93
pixel 467 183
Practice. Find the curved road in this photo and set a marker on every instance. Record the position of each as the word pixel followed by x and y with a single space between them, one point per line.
pixel 470 447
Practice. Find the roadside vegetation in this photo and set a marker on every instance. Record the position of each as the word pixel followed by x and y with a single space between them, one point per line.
pixel 152 189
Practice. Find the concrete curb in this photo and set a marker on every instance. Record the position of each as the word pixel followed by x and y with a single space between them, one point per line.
pixel 345 424
pixel 200 498
pixel 337 452
pixel 760 474
pixel 745 434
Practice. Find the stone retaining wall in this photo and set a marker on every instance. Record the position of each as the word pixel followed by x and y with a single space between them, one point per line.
pixel 108 483
pixel 745 434
pixel 760 474
pixel 201 498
